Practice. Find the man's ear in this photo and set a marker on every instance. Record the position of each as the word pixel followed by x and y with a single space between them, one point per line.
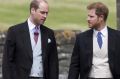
pixel 32 10
pixel 101 17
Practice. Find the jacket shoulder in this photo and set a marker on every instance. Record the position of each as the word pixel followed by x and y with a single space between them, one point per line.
pixel 85 33
pixel 46 29
pixel 18 26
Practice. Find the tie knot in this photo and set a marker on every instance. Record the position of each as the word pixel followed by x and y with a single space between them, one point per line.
pixel 36 32
pixel 99 34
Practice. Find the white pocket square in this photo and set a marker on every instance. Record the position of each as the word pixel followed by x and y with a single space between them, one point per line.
pixel 49 40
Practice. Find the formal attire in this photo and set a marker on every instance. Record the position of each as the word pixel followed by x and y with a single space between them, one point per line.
pixel 25 57
pixel 95 55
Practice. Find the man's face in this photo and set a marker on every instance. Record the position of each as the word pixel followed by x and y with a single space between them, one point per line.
pixel 39 15
pixel 92 19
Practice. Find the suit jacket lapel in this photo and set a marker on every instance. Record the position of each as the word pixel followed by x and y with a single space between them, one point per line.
pixel 43 40
pixel 111 45
pixel 89 45
pixel 26 39
pixel 89 40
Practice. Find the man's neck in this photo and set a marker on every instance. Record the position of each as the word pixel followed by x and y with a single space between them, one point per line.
pixel 101 26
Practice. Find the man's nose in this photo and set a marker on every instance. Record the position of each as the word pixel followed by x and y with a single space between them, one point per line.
pixel 45 15
pixel 88 18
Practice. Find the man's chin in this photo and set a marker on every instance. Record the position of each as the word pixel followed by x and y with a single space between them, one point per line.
pixel 41 23
pixel 90 26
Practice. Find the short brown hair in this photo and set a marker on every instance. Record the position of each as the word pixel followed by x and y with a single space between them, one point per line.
pixel 101 9
pixel 35 4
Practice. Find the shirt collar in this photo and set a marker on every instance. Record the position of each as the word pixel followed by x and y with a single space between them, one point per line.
pixel 104 31
pixel 31 25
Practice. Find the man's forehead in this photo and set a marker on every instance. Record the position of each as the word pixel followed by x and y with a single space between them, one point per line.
pixel 43 6
pixel 92 11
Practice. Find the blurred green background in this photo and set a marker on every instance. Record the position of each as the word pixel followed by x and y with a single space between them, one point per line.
pixel 64 14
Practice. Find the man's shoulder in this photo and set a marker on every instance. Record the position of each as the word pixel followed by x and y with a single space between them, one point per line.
pixel 18 26
pixel 116 31
pixel 86 33
pixel 43 27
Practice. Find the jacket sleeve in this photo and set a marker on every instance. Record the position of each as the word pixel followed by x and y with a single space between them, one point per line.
pixel 8 67
pixel 74 69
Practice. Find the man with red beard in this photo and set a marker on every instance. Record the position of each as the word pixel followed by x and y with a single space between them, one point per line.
pixel 96 52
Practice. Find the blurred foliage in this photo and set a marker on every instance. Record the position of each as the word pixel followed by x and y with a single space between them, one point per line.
pixel 64 14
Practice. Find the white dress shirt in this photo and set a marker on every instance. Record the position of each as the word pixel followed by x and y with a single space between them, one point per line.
pixel 37 66
pixel 100 66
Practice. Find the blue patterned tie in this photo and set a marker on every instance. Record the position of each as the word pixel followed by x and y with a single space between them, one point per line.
pixel 99 39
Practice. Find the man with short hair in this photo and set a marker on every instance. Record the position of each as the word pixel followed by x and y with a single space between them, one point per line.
pixel 30 50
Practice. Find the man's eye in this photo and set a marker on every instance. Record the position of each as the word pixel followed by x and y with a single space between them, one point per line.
pixel 42 12
pixel 91 16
